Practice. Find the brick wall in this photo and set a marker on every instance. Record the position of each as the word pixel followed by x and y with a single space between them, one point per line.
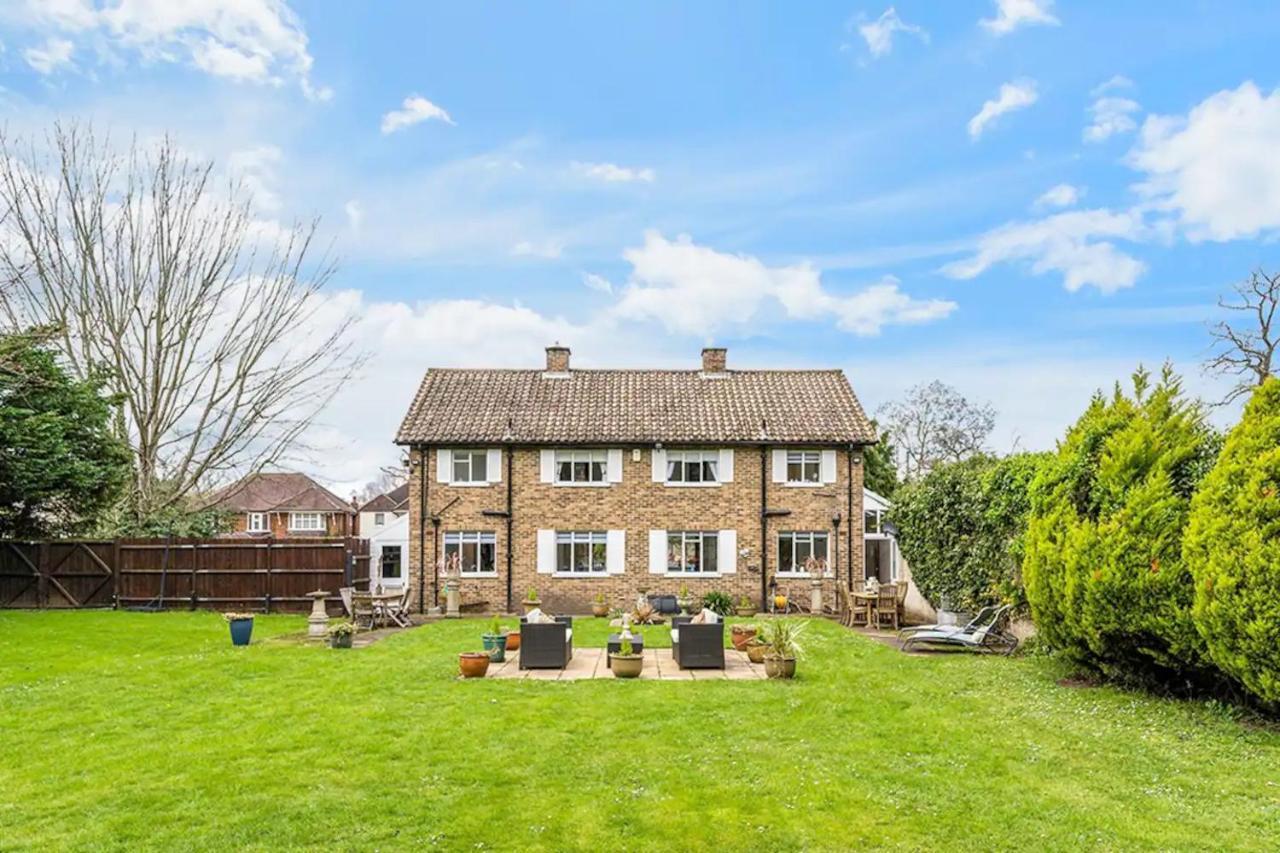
pixel 635 505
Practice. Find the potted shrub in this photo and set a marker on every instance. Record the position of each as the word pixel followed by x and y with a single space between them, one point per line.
pixel 718 602
pixel 741 635
pixel 531 601
pixel 782 646
pixel 495 641
pixel 755 649
pixel 684 600
pixel 625 663
pixel 473 664
pixel 241 627
pixel 598 606
pixel 745 607
pixel 341 635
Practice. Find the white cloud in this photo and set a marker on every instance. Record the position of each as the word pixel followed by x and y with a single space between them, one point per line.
pixel 614 174
pixel 878 34
pixel 1017 95
pixel 256 168
pixel 1011 14
pixel 355 214
pixel 1062 195
pixel 1216 167
pixel 1118 81
pixel 597 282
pixel 55 53
pixel 548 249
pixel 415 109
pixel 696 290
pixel 1074 244
pixel 259 41
pixel 1111 115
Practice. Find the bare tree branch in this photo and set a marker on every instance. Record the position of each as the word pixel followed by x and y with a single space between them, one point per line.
pixel 935 424
pixel 209 320
pixel 1247 348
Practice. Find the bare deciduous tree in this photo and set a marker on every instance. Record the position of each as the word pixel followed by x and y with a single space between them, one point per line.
pixel 1247 348
pixel 209 320
pixel 389 477
pixel 934 423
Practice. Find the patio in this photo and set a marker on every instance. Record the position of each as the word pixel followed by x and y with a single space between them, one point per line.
pixel 659 665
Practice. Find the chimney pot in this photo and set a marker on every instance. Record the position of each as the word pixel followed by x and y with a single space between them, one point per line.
pixel 713 359
pixel 557 359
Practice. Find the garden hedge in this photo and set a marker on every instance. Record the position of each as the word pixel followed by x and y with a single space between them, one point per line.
pixel 1232 548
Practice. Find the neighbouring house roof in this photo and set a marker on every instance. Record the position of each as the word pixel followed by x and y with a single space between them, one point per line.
pixel 390 501
pixel 278 491
pixel 678 406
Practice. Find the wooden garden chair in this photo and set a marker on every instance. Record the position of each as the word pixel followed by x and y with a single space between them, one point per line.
pixel 886 607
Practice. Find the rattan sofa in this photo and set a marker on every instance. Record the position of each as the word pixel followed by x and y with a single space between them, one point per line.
pixel 697 646
pixel 546 645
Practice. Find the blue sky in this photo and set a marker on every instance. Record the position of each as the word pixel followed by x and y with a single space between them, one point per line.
pixel 1022 198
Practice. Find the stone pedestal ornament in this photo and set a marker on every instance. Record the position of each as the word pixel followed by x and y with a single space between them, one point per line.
pixel 452 599
pixel 318 621
pixel 815 596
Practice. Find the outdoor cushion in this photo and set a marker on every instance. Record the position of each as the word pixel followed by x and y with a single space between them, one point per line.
pixel 709 617
pixel 675 635
pixel 538 617
pixel 568 633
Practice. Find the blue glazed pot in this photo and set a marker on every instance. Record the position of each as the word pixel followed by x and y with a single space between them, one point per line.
pixel 496 646
pixel 241 629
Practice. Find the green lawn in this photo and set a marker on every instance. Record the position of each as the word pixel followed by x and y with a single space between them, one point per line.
pixel 134 731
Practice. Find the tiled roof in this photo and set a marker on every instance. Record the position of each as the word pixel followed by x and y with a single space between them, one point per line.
pixel 677 406
pixel 278 491
pixel 387 501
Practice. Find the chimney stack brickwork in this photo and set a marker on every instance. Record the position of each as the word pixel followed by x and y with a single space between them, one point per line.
pixel 557 359
pixel 713 359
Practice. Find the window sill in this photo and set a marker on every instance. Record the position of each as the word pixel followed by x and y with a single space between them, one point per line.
pixel 559 484
pixel 804 576
pixel 466 576
pixel 582 576
pixel 469 485
pixel 692 575
pixel 692 485
pixel 791 485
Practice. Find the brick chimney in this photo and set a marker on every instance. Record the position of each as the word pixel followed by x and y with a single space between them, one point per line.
pixel 713 359
pixel 557 359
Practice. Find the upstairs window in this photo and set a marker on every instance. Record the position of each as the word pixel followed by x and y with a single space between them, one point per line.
pixel 582 553
pixel 804 466
pixel 693 466
pixel 692 552
pixel 800 553
pixel 309 522
pixel 473 552
pixel 582 466
pixel 257 522
pixel 379 519
pixel 470 466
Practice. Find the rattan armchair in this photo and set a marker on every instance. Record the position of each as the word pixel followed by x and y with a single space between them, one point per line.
pixel 695 645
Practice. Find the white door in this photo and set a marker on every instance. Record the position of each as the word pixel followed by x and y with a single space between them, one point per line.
pixel 388 566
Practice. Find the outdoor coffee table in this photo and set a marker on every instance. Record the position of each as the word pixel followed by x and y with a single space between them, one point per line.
pixel 615 645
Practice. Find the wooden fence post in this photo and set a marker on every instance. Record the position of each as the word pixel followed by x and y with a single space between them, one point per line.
pixel 42 575
pixel 115 573
pixel 269 581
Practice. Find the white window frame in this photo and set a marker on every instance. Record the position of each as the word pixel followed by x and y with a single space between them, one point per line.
pixel 459 539
pixel 469 456
pixel 678 461
pixel 296 520
pixel 398 579
pixel 686 537
pixel 590 538
pixel 263 525
pixel 805 459
pixel 811 536
pixel 379 519
pixel 592 459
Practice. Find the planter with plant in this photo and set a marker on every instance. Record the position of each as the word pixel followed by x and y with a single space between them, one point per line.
pixel 782 647
pixel 241 627
pixel 599 607
pixel 473 664
pixel 745 607
pixel 718 602
pixel 531 601
pixel 742 635
pixel 495 641
pixel 625 663
pixel 341 635
pixel 684 599
pixel 755 649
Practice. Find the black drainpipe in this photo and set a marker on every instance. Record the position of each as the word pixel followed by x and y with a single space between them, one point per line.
pixel 851 526
pixel 422 530
pixel 510 511
pixel 764 528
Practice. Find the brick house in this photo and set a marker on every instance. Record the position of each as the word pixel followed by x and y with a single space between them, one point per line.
pixel 584 482
pixel 279 503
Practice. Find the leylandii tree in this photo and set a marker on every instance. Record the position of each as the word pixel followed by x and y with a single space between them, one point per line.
pixel 208 322
pixel 1103 567
pixel 1232 547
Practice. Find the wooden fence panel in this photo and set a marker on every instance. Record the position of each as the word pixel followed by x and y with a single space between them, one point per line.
pixel 222 574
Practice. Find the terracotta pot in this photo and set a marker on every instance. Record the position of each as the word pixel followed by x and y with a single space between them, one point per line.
pixel 626 666
pixel 513 641
pixel 599 610
pixel 530 605
pixel 780 667
pixel 741 637
pixel 473 664
pixel 755 652
pixel 745 612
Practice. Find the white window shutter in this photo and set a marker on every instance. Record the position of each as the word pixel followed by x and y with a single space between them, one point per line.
pixel 727 552
pixel 444 465
pixel 657 552
pixel 546 552
pixel 616 553
pixel 828 466
pixel 494 465
pixel 659 466
pixel 614 472
pixel 779 465
pixel 547 466
pixel 726 464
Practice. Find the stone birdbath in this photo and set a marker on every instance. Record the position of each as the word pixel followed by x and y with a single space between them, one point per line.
pixel 318 621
